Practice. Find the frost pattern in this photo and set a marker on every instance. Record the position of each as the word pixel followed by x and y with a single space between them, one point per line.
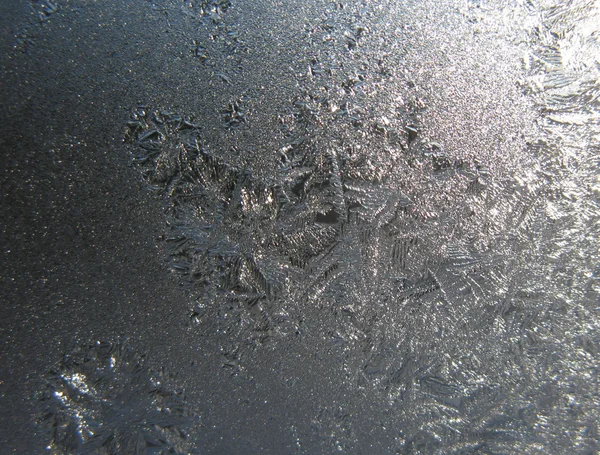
pixel 461 286
pixel 104 401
